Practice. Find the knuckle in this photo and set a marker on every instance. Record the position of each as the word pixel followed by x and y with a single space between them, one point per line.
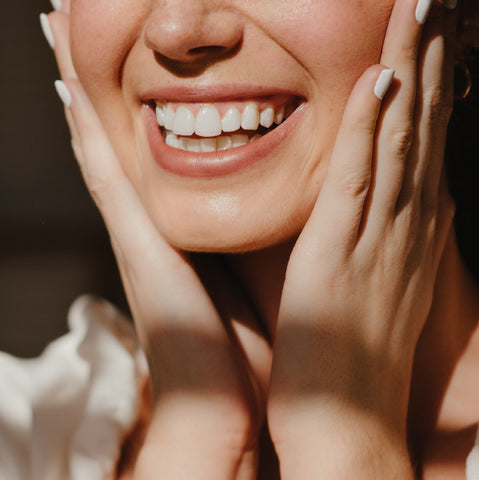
pixel 97 187
pixel 408 52
pixel 356 184
pixel 438 102
pixel 402 139
pixel 363 123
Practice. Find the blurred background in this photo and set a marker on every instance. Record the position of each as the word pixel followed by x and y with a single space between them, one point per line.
pixel 53 245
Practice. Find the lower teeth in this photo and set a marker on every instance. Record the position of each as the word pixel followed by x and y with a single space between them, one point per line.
pixel 207 145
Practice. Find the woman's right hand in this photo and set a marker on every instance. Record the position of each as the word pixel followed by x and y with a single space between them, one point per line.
pixel 208 360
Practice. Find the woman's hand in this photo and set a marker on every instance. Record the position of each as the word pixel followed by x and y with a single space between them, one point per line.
pixel 209 362
pixel 360 280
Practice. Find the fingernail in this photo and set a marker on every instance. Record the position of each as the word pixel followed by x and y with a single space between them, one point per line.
pixel 47 31
pixel 63 93
pixel 57 4
pixel 383 83
pixel 422 10
pixel 450 4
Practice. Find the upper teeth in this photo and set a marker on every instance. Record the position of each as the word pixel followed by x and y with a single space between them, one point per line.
pixel 209 123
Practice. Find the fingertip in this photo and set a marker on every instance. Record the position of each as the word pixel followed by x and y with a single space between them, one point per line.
pixel 373 84
pixel 383 82
pixel 423 8
pixel 56 4
pixel 59 24
pixel 47 30
pixel 64 93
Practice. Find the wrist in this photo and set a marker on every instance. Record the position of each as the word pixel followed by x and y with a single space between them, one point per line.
pixel 342 445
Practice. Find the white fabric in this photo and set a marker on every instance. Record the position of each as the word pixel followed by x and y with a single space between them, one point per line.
pixel 65 414
pixel 472 464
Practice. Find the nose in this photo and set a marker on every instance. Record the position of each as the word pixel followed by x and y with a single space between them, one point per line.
pixel 192 31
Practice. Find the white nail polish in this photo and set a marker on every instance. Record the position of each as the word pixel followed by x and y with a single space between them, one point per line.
pixel 63 93
pixel 383 83
pixel 422 10
pixel 47 31
pixel 56 4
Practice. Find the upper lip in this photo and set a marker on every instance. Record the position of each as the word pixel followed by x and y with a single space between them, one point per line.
pixel 212 93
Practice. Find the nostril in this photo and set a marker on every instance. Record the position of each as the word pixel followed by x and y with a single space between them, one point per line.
pixel 208 50
pixel 196 60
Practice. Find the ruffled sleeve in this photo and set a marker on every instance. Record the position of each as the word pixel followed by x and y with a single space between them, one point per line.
pixel 472 464
pixel 65 414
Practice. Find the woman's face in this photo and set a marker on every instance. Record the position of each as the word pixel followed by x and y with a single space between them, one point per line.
pixel 212 67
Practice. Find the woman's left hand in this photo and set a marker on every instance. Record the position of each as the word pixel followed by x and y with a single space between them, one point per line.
pixel 208 358
pixel 360 280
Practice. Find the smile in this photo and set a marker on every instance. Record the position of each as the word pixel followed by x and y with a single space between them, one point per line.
pixel 213 133
pixel 211 127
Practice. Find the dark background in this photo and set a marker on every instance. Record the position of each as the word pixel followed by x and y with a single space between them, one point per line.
pixel 53 245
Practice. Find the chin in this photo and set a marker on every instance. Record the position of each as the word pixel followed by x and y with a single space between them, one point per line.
pixel 230 238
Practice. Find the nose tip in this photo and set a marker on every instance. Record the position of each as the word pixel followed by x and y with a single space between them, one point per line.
pixel 191 31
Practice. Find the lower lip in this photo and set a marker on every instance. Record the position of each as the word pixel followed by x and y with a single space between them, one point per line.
pixel 214 164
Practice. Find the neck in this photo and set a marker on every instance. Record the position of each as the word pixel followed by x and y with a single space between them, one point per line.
pixel 262 274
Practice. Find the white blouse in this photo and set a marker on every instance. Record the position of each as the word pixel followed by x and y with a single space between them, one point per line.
pixel 65 414
pixel 472 464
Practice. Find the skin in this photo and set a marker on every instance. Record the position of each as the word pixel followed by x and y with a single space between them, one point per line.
pixel 240 211
pixel 296 331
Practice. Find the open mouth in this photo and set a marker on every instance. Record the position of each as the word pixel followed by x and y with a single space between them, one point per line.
pixel 213 132
pixel 219 126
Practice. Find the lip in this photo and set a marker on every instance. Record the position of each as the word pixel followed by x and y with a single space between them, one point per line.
pixel 220 163
pixel 212 93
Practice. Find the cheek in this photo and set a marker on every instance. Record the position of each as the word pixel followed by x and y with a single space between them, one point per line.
pixel 101 35
pixel 335 39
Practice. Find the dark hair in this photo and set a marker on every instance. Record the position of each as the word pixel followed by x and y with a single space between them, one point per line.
pixel 462 150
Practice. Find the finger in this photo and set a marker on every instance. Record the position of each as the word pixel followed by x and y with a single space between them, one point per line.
pixel 446 209
pixel 395 127
pixel 338 213
pixel 428 131
pixel 437 98
pixel 135 239
pixel 55 27
pixel 56 4
pixel 63 5
pixel 202 406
